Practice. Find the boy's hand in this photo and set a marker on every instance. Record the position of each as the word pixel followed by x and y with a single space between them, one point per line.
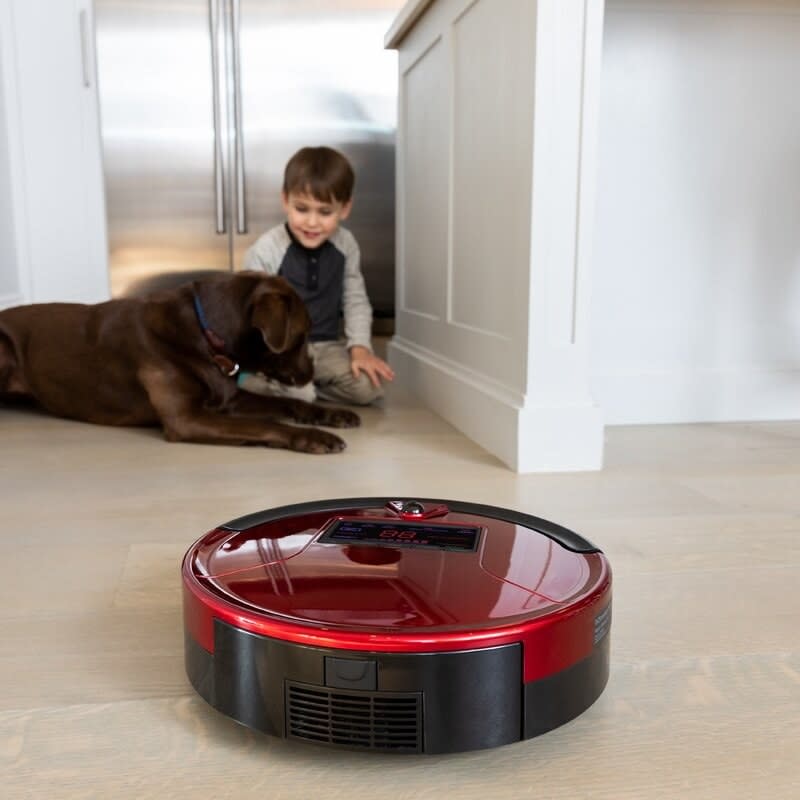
pixel 362 360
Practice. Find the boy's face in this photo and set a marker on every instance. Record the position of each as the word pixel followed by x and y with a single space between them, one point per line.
pixel 312 221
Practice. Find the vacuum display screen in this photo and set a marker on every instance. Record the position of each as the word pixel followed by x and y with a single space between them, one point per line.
pixel 402 534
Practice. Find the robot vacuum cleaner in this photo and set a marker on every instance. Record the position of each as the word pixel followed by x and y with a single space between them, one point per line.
pixel 395 624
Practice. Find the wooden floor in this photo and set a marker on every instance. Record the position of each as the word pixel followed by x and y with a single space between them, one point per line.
pixel 701 524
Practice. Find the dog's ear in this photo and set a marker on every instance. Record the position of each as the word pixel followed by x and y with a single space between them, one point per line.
pixel 280 319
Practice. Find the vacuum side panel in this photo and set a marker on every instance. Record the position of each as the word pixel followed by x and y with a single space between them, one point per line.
pixel 469 700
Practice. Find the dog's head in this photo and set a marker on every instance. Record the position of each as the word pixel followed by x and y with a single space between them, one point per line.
pixel 277 344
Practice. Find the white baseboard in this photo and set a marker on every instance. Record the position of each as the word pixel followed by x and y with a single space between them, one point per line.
pixel 10 300
pixel 711 395
pixel 524 437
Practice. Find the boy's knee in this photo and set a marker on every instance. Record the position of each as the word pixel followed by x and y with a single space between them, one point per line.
pixel 359 391
pixel 365 392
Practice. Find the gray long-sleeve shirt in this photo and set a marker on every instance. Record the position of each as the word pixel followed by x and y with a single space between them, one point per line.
pixel 328 279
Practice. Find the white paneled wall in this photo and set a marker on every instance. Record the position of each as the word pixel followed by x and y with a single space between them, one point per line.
pixel 423 288
pixel 696 269
pixel 495 180
pixel 492 105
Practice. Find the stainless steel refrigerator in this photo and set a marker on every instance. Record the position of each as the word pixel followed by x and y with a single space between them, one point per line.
pixel 202 103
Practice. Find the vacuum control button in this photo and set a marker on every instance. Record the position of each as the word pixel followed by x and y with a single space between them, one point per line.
pixel 350 673
pixel 414 509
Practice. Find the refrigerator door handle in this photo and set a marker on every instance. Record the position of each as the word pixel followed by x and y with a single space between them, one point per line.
pixel 214 19
pixel 241 208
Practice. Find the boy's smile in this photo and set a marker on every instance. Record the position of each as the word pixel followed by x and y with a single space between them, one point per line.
pixel 312 221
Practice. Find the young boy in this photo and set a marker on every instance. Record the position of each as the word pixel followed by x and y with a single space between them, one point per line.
pixel 321 260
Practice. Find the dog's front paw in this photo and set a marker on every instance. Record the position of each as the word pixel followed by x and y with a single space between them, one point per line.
pixel 340 418
pixel 311 440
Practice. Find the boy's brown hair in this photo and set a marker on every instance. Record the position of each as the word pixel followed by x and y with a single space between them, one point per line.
pixel 322 172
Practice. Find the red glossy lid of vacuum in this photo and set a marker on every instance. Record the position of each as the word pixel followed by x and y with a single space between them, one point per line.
pixel 376 565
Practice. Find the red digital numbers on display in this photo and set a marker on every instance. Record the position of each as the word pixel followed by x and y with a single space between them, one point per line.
pixel 398 535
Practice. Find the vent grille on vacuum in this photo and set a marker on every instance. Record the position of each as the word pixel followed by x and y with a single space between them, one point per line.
pixel 370 720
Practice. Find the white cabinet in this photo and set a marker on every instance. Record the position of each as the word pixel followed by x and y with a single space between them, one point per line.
pixel 496 162
pixel 52 215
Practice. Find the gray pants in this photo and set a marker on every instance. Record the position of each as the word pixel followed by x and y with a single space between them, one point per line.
pixel 333 379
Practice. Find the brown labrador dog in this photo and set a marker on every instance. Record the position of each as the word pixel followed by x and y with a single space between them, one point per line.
pixel 170 359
